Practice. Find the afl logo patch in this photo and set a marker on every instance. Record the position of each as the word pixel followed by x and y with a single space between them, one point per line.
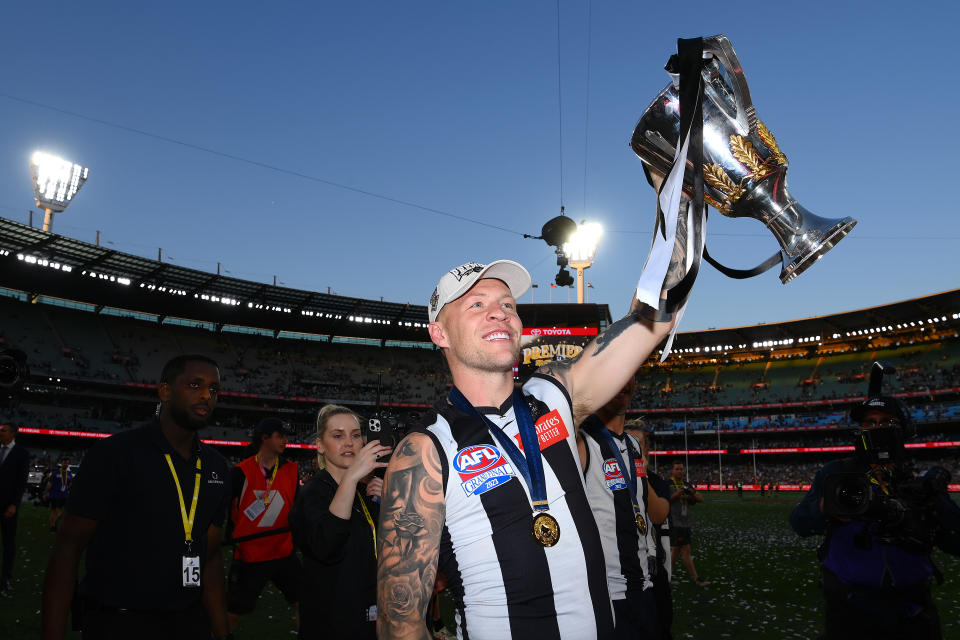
pixel 481 467
pixel 612 476
pixel 611 469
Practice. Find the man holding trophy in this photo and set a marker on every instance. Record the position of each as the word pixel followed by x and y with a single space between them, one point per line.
pixel 488 487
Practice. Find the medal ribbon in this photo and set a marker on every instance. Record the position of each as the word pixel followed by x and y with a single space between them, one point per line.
pixel 530 465
pixel 187 519
pixel 629 473
pixel 373 527
pixel 273 476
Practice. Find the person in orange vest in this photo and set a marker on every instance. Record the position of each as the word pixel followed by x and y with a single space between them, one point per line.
pixel 265 486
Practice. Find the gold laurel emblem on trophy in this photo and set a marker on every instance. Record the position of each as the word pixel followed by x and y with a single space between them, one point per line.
pixel 744 152
pixel 717 178
pixel 546 529
pixel 759 168
pixel 771 143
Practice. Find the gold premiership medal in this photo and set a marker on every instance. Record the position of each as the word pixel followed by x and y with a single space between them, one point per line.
pixel 641 525
pixel 546 530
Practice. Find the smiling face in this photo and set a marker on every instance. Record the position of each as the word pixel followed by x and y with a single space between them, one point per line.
pixel 340 441
pixel 480 330
pixel 192 396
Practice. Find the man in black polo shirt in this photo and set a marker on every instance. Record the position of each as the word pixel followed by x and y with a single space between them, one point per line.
pixel 148 507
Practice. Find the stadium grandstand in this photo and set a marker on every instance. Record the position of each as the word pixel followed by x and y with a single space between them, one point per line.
pixel 762 404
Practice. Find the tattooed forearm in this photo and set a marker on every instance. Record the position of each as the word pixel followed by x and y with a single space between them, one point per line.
pixel 612 332
pixel 411 520
pixel 559 369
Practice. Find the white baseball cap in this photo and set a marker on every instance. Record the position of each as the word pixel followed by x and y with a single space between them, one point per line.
pixel 458 281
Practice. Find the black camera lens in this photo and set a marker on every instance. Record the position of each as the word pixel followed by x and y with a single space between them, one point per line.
pixel 12 370
pixel 852 495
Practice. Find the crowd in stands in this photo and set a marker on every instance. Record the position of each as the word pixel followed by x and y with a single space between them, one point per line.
pixel 70 344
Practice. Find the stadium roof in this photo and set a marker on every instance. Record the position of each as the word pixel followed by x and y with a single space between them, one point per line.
pixel 937 311
pixel 42 263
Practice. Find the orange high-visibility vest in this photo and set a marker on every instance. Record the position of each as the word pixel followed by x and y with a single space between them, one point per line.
pixel 274 512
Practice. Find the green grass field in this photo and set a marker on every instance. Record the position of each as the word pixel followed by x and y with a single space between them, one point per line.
pixel 764 579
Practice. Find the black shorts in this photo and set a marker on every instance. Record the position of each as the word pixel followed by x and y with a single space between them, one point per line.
pixel 57 503
pixel 247 580
pixel 680 536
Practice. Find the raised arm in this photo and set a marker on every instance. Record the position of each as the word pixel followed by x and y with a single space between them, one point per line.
pixel 408 538
pixel 608 361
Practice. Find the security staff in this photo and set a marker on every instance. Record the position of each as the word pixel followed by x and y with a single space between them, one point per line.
pixel 148 506
pixel 875 573
pixel 264 488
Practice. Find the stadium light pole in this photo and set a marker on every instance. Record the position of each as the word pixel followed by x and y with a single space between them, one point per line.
pixel 55 183
pixel 581 249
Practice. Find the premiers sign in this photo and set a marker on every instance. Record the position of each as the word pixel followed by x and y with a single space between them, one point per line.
pixel 540 346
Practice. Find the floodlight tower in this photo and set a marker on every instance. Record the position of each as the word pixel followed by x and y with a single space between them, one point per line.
pixel 55 183
pixel 581 249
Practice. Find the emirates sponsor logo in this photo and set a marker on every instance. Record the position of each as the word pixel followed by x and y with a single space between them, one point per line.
pixel 550 430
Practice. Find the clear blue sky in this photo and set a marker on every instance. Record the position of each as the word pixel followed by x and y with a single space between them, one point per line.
pixel 453 106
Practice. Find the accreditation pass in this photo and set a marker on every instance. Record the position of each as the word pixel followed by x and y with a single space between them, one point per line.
pixel 191 571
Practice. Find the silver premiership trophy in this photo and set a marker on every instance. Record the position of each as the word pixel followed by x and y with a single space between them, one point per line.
pixel 742 172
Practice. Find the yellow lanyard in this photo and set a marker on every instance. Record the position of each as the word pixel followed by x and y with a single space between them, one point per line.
pixel 373 527
pixel 187 520
pixel 873 480
pixel 63 479
pixel 266 495
pixel 678 485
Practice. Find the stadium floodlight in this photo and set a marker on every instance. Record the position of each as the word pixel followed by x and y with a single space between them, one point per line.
pixel 581 249
pixel 55 183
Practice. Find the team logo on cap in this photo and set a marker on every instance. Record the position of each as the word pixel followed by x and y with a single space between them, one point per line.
pixel 466 269
pixel 612 476
pixel 435 299
pixel 481 467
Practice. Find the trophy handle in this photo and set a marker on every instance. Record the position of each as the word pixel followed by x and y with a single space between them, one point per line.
pixel 745 115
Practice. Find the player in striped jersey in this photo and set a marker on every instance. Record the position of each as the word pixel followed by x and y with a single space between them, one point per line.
pixel 626 509
pixel 512 531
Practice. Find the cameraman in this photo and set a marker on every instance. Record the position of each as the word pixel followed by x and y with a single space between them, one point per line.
pixel 876 566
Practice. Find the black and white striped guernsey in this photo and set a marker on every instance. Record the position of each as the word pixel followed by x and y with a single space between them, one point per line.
pixel 627 553
pixel 506 585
